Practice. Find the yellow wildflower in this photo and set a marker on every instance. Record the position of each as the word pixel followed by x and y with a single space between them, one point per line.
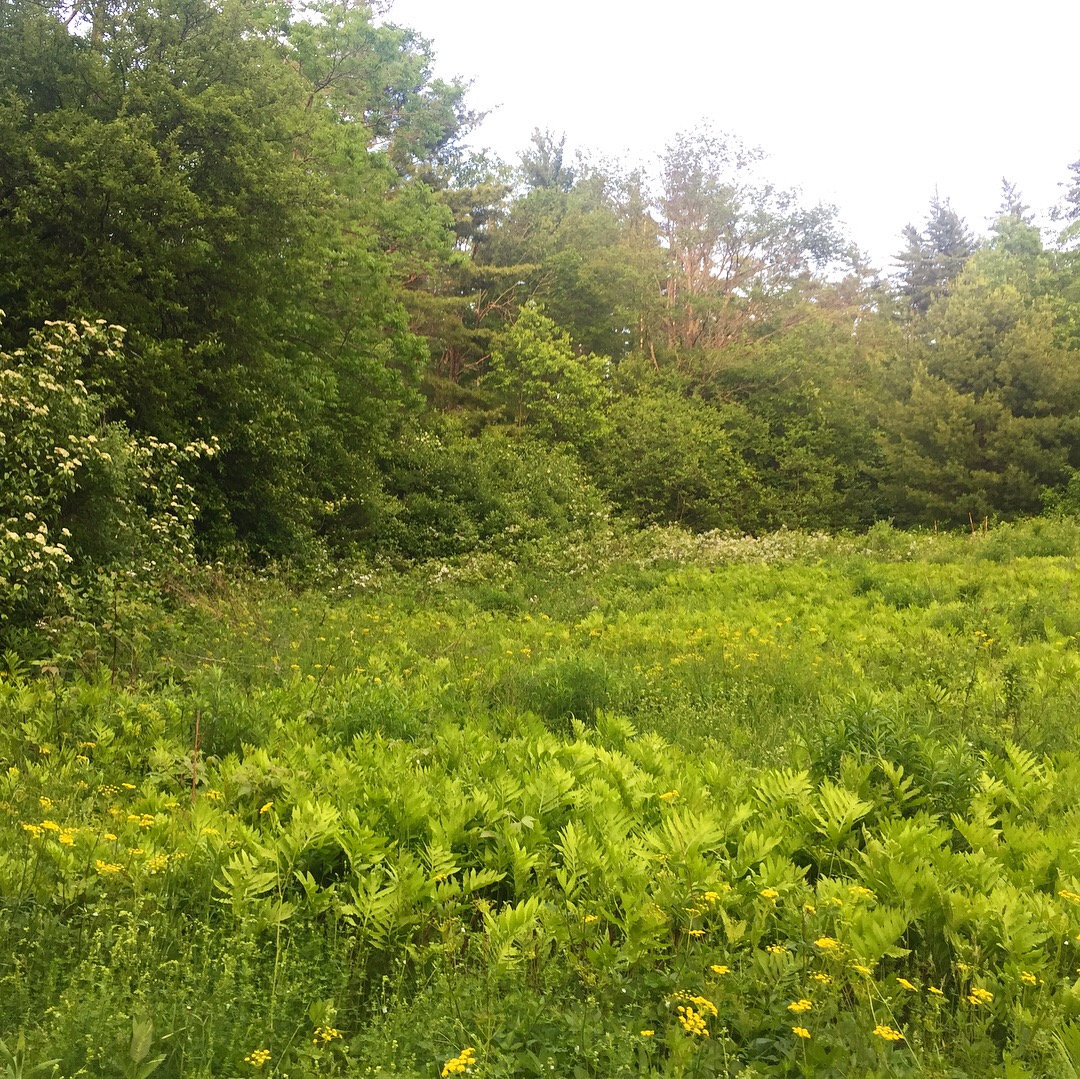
pixel 719 968
pixel 800 1032
pixel 647 1033
pixel 860 969
pixel 980 996
pixel 50 826
pixel 820 976
pixel 888 1033
pixel 695 933
pixel 907 985
pixel 669 796
pixel 827 944
pixel 325 1035
pixel 1072 897
pixel 457 1066
pixel 934 991
pixel 771 894
pixel 266 808
pixel 257 1057
pixel 799 1006
pixel 35 830
pixel 45 803
pixel 692 1022
pixel 775 949
pixel 1028 978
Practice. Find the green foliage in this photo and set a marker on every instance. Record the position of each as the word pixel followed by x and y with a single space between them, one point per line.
pixel 78 496
pixel 545 384
pixel 449 494
pixel 809 792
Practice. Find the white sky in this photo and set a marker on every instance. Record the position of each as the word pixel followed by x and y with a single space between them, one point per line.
pixel 858 102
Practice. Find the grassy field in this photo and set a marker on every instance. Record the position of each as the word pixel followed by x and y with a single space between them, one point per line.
pixel 671 807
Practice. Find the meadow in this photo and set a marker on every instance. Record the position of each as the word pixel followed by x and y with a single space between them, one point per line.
pixel 660 805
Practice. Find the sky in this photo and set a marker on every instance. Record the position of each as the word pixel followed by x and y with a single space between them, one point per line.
pixel 867 104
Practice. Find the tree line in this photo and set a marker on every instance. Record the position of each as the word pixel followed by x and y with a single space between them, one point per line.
pixel 378 340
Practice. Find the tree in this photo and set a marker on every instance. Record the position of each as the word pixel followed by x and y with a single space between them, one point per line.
pixel 738 250
pixel 934 256
pixel 237 191
pixel 544 384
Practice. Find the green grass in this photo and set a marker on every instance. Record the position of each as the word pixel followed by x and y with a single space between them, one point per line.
pixel 536 809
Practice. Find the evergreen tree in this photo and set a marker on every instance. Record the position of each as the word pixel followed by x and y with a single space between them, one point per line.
pixel 934 256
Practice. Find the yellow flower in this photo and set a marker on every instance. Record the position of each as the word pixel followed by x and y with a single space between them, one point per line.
pixel 107 869
pixel 799 1006
pixel 1028 978
pixel 827 944
pixel 590 918
pixel 692 1022
pixel 775 949
pixel 45 803
pixel 800 1032
pixel 128 786
pixel 669 796
pixel 907 985
pixel 647 1033
pixel 888 1033
pixel 68 839
pixel 696 932
pixel 860 969
pixel 266 808
pixel 719 968
pixel 465 1059
pixel 35 830
pixel 257 1057
pixel 819 976
pixel 50 826
pixel 934 991
pixel 1072 897
pixel 809 908
pixel 980 996
pixel 771 894
pixel 110 836
pixel 325 1035
pixel 859 892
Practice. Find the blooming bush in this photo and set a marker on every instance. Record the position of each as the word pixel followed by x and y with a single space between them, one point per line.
pixel 78 494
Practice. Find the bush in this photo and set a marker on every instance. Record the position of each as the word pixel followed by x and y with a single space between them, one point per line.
pixel 77 494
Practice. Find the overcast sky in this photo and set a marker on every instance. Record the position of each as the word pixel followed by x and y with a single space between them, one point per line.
pixel 866 104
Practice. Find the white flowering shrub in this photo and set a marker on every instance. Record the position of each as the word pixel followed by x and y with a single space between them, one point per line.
pixel 78 495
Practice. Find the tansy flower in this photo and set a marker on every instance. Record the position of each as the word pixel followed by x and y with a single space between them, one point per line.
pixel 888 1033
pixel 719 968
pixel 980 996
pixel 820 976
pixel 799 1006
pixel 266 808
pixel 934 991
pixel 257 1057
pixel 827 944
pixel 669 796
pixel 647 1033
pixel 800 1032
pixel 775 949
pixel 1028 978
pixel 771 894
pixel 860 969
pixel 907 985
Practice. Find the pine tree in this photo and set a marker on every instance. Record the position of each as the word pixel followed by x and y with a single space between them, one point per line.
pixel 935 256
